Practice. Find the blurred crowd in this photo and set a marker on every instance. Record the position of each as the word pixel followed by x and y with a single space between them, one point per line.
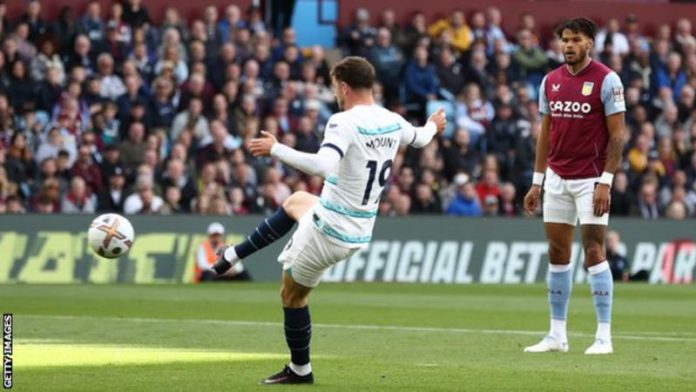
pixel 109 110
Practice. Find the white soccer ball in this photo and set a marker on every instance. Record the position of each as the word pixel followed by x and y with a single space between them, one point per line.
pixel 110 235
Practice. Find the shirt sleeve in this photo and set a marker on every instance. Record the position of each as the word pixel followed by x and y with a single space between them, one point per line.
pixel 336 136
pixel 320 164
pixel 613 94
pixel 417 137
pixel 543 102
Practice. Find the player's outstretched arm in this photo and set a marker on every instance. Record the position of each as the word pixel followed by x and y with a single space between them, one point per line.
pixel 319 164
pixel 531 200
pixel 422 136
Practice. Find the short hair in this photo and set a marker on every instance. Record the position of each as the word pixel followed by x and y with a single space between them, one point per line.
pixel 578 25
pixel 355 71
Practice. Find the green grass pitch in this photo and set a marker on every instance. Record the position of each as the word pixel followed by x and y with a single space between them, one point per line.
pixel 366 337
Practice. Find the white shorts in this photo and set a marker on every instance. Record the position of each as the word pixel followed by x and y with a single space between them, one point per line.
pixel 309 253
pixel 567 200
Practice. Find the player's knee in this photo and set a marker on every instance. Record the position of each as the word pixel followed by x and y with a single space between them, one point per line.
pixel 594 253
pixel 292 298
pixel 293 204
pixel 558 254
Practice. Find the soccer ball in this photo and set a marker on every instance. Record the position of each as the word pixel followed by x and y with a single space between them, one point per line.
pixel 110 235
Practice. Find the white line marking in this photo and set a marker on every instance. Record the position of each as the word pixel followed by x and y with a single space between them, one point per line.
pixel 363 327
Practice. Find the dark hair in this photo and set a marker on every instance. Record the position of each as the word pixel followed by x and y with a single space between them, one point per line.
pixel 578 25
pixel 355 71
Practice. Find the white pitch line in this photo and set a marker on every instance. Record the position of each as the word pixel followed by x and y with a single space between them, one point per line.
pixel 363 327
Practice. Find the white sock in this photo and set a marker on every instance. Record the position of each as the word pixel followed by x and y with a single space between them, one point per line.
pixel 603 331
pixel 599 268
pixel 231 255
pixel 558 330
pixel 301 370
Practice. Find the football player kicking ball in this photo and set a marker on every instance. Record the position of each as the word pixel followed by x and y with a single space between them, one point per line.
pixel 355 159
pixel 579 149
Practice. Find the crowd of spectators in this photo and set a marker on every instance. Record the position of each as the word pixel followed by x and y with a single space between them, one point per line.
pixel 109 110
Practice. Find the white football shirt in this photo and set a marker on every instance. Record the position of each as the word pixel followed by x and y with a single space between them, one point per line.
pixel 367 137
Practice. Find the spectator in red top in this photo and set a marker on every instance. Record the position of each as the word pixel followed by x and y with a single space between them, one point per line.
pixel 86 168
pixel 488 186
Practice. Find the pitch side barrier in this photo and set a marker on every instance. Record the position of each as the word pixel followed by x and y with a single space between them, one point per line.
pixel 52 249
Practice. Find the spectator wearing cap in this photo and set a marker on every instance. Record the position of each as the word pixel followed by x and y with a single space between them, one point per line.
pixel 144 200
pixel 113 197
pixel 206 255
pixel 465 202
pixel 78 200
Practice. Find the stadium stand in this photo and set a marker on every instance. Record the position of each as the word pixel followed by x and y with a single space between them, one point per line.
pixel 112 111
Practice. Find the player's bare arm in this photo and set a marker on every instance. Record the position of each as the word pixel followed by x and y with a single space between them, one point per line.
pixel 615 125
pixel 531 200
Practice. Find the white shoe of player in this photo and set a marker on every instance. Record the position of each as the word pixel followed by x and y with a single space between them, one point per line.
pixel 599 347
pixel 548 344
